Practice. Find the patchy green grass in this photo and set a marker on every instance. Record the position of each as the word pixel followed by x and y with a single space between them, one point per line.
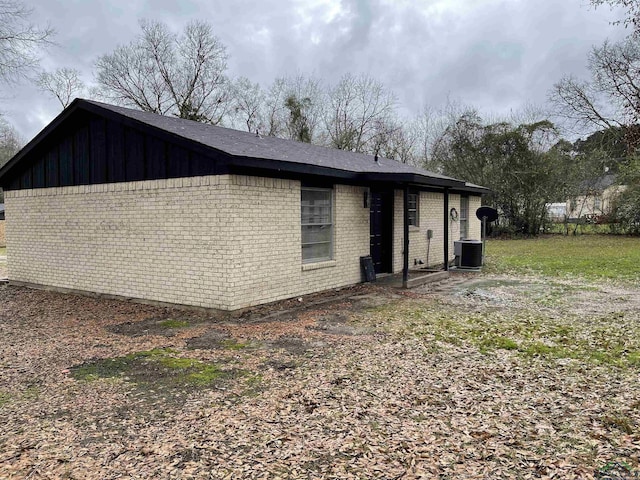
pixel 592 257
pixel 30 393
pixel 161 366
pixel 233 344
pixel 171 323
pixel 609 339
pixel 583 229
pixel 619 421
pixel 615 470
pixel 3 251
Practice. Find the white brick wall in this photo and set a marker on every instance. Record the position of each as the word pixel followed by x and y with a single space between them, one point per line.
pixel 222 241
pixel 157 240
pixel 475 225
pixel 269 255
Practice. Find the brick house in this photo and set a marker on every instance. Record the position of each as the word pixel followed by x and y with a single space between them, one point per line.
pixel 169 210
pixel 596 199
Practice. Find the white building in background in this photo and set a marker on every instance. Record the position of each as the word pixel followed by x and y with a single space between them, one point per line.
pixel 557 211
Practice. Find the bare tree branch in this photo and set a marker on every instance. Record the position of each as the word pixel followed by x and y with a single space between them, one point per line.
pixel 20 40
pixel 165 73
pixel 64 84
pixel 356 106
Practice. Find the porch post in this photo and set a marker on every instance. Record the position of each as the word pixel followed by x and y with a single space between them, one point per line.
pixel 446 228
pixel 405 249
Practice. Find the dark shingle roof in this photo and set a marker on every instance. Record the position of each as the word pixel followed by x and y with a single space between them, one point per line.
pixel 245 144
pixel 278 154
pixel 599 184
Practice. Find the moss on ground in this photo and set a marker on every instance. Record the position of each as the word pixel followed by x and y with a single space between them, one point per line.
pixel 161 366
pixel 172 323
pixel 233 344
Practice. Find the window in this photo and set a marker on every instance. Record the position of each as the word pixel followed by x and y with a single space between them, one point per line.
pixel 464 217
pixel 414 204
pixel 317 224
pixel 597 203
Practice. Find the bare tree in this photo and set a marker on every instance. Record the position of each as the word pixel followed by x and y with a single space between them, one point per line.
pixel 304 103
pixel 293 108
pixel 64 84
pixel 275 117
pixel 20 40
pixel 165 73
pixel 396 139
pixel 247 104
pixel 10 143
pixel 432 126
pixel 632 8
pixel 611 98
pixel 355 106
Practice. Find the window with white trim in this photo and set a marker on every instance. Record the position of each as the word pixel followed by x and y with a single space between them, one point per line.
pixel 464 218
pixel 316 209
pixel 414 209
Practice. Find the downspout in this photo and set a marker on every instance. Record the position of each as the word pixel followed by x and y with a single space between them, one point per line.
pixel 405 250
pixel 446 228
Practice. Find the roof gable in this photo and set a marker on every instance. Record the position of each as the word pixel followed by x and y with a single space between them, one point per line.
pixel 203 149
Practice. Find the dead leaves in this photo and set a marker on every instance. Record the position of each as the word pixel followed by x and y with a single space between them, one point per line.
pixel 392 401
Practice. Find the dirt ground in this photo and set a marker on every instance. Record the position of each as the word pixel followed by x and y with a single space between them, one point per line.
pixel 477 377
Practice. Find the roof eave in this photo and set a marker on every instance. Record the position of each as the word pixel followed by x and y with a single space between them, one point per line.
pixel 412 178
pixel 361 177
pixel 474 189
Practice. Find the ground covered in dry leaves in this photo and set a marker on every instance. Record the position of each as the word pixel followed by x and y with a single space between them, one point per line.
pixel 479 377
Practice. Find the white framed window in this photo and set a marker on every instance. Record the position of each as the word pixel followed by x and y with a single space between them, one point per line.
pixel 464 218
pixel 316 212
pixel 597 203
pixel 414 209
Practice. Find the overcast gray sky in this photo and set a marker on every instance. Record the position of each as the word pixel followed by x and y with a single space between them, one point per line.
pixel 496 55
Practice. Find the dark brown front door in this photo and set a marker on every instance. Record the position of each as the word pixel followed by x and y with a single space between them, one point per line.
pixel 381 230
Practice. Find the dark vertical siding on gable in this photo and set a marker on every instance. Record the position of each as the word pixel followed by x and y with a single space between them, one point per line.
pixel 155 150
pixel 202 165
pixel 90 149
pixel 51 167
pixel 39 180
pixel 66 162
pixel 25 179
pixel 178 162
pixel 134 155
pixel 115 153
pixel 82 170
pixel 98 150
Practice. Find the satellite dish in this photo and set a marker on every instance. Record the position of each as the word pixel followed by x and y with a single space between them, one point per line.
pixel 488 214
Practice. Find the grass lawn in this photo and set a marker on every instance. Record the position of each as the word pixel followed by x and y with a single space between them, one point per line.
pixel 495 375
pixel 591 257
pixel 3 251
